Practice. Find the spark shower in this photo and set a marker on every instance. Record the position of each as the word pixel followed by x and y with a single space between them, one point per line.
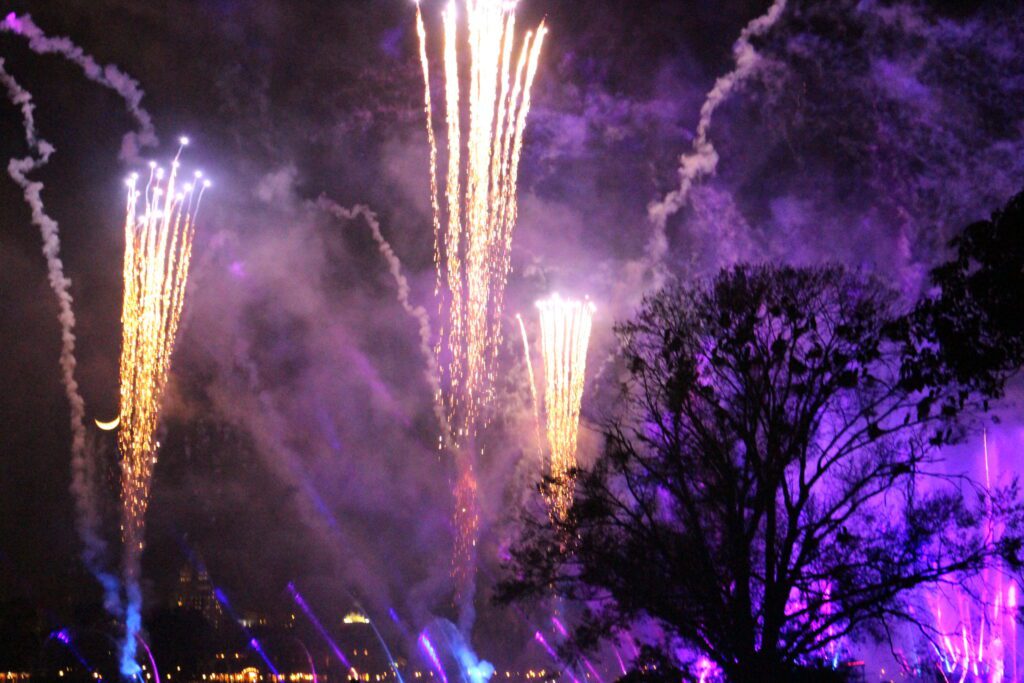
pixel 565 326
pixel 565 336
pixel 473 224
pixel 157 252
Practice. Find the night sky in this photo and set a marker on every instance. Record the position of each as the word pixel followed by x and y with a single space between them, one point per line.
pixel 298 435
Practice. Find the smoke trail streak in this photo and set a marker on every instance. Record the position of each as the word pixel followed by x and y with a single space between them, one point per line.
pixel 418 313
pixel 703 160
pixel 109 76
pixel 82 462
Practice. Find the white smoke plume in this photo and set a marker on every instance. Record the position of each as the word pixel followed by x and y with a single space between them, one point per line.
pixel 82 460
pixel 703 160
pixel 417 312
pixel 109 76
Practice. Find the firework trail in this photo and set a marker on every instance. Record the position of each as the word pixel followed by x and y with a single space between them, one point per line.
pixel 703 160
pixel 157 252
pixel 565 337
pixel 474 236
pixel 109 76
pixel 533 385
pixel 418 313
pixel 82 462
pixel 473 229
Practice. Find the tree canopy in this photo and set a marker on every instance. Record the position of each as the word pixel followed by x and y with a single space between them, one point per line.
pixel 769 482
pixel 968 332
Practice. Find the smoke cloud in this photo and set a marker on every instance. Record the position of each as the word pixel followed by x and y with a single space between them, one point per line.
pixel 300 432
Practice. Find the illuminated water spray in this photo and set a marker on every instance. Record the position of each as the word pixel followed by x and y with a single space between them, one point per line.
pixel 158 230
pixel 565 326
pixel 474 217
pixel 450 655
pixel 976 625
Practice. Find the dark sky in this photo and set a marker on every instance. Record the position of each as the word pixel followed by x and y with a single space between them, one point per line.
pixel 298 434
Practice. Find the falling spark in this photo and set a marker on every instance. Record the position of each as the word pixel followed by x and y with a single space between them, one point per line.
pixel 565 336
pixel 466 522
pixel 533 384
pixel 158 249
pixel 473 225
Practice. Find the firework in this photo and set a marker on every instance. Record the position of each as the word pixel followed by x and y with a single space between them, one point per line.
pixel 473 226
pixel 158 229
pixel 565 336
pixel 158 248
pixel 533 384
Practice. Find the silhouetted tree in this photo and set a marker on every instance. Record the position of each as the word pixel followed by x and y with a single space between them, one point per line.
pixel 761 493
pixel 969 332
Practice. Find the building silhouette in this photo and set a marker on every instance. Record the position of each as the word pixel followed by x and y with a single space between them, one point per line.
pixel 195 593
